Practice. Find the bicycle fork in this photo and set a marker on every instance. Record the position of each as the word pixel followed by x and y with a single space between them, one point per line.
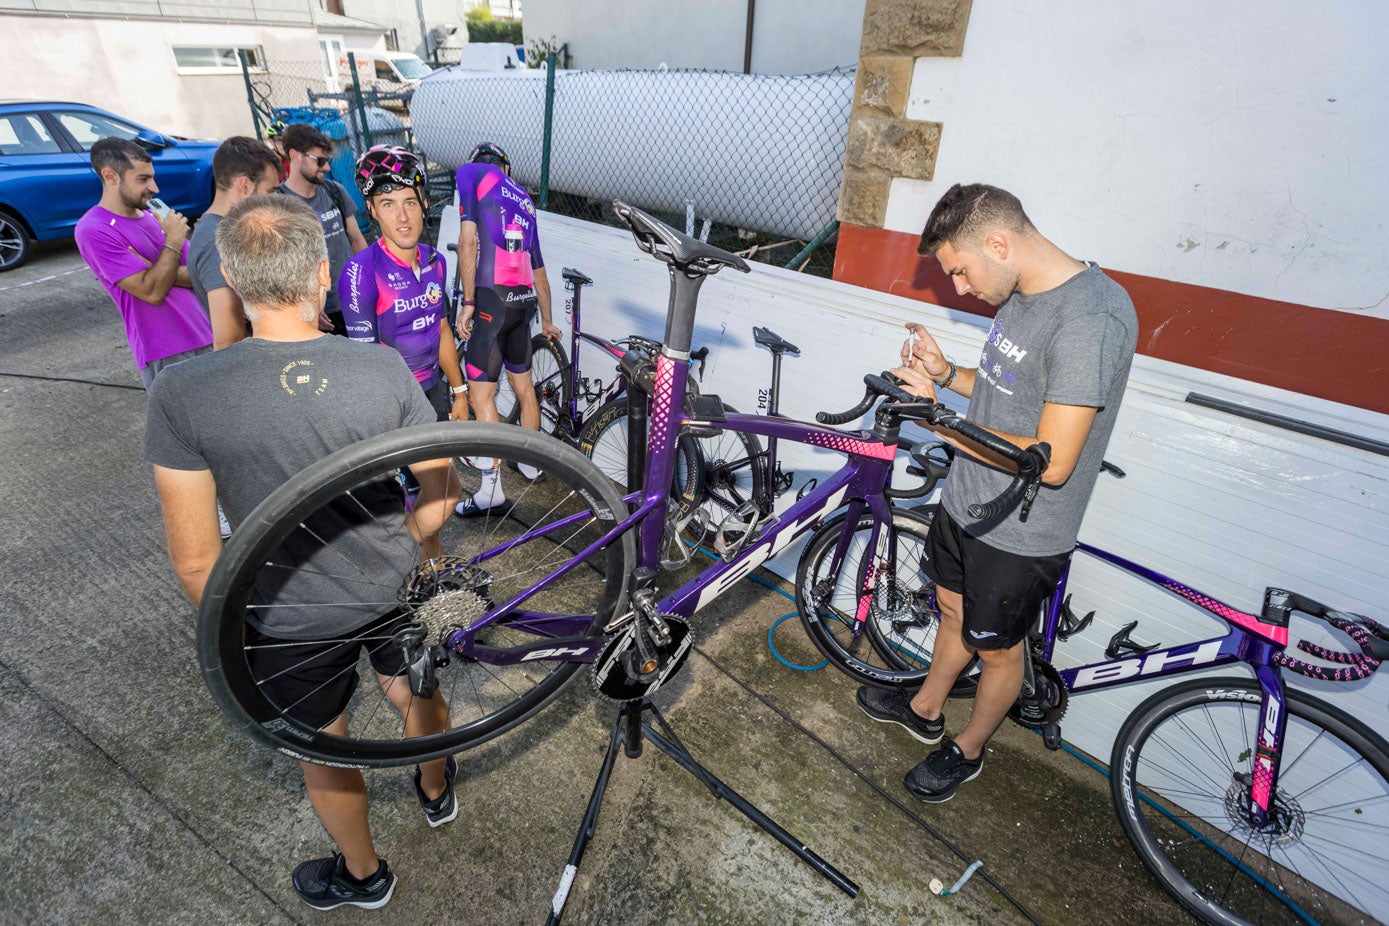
pixel 1273 723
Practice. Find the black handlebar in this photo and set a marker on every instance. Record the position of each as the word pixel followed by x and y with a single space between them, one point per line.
pixel 1031 461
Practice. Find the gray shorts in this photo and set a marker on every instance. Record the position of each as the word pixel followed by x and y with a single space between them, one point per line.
pixel 150 370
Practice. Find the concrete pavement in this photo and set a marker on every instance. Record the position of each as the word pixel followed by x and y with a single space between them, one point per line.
pixel 126 798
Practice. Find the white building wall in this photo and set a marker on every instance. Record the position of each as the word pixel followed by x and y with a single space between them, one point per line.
pixel 1225 505
pixel 1233 145
pixel 127 66
pixel 789 36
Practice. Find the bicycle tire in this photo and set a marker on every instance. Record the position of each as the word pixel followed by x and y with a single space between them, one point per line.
pixel 893 649
pixel 1176 785
pixel 604 441
pixel 550 377
pixel 485 695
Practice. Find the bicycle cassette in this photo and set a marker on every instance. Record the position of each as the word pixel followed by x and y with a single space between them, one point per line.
pixel 624 673
pixel 1048 705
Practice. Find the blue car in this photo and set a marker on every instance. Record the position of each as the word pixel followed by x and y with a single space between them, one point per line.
pixel 47 181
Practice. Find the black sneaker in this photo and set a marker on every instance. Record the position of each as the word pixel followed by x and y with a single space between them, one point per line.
pixel 895 706
pixel 324 884
pixel 443 808
pixel 936 779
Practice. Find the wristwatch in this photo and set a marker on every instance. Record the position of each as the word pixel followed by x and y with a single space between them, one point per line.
pixel 459 390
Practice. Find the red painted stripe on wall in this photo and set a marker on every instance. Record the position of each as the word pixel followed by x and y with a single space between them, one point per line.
pixel 1321 352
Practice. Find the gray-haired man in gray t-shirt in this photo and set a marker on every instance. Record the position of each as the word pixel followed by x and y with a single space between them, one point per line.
pixel 312 621
pixel 1053 370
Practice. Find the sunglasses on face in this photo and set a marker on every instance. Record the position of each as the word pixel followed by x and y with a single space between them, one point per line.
pixel 321 162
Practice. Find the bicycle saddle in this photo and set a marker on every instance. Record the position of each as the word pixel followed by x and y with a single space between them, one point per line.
pixel 665 243
pixel 774 342
pixel 574 276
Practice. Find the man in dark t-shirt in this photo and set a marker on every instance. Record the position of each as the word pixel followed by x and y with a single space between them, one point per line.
pixel 241 167
pixel 286 398
pixel 1053 370
pixel 309 152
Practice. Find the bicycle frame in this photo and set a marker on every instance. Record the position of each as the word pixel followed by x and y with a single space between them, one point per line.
pixel 862 480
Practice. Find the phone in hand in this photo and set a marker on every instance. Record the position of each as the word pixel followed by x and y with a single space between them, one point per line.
pixel 160 208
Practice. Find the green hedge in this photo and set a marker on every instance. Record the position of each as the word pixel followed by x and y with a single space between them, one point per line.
pixel 487 29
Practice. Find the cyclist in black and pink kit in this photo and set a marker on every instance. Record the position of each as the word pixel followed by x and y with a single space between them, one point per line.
pixel 394 292
pixel 504 282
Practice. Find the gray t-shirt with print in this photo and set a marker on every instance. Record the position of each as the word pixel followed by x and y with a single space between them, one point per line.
pixel 204 260
pixel 280 407
pixel 1071 345
pixel 334 221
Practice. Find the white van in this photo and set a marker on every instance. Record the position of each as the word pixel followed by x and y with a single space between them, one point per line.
pixel 387 70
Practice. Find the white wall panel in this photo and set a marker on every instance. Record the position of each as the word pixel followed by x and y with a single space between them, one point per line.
pixel 1234 145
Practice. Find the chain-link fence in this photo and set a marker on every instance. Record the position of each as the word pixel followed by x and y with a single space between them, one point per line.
pixel 355 114
pixel 751 163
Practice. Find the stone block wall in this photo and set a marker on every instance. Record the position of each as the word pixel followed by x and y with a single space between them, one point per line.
pixel 882 143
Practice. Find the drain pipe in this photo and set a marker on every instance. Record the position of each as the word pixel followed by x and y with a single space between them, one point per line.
pixel 747 43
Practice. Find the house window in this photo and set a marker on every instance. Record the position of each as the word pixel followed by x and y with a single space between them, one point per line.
pixel 200 60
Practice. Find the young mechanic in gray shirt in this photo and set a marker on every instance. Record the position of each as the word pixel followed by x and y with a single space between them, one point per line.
pixel 1053 370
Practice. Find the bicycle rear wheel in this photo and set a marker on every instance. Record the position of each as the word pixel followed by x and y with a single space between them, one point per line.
pixel 604 441
pixel 550 375
pixel 514 602
pixel 1181 778
pixel 891 646
pixel 733 471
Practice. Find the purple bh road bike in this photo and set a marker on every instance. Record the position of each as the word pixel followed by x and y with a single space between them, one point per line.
pixel 1283 796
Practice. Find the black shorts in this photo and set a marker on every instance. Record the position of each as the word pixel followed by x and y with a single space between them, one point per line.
pixel 312 682
pixel 501 334
pixel 1003 592
pixel 440 398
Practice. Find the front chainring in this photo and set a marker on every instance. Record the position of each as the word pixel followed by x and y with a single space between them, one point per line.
pixel 1050 703
pixel 616 674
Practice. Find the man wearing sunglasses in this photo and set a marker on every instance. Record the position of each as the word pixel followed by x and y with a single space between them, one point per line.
pixel 309 152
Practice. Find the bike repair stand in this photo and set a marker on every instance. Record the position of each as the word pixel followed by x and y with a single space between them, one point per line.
pixel 630 729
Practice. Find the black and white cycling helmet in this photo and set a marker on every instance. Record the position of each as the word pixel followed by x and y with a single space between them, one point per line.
pixel 488 153
pixel 385 168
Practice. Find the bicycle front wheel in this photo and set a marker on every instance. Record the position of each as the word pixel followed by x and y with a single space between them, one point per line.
pixel 321 602
pixel 1181 778
pixel 873 617
pixel 550 376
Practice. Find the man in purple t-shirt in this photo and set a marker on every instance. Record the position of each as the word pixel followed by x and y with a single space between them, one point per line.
pixel 141 260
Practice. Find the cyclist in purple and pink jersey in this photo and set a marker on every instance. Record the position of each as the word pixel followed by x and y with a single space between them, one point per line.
pixel 393 293
pixel 504 283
